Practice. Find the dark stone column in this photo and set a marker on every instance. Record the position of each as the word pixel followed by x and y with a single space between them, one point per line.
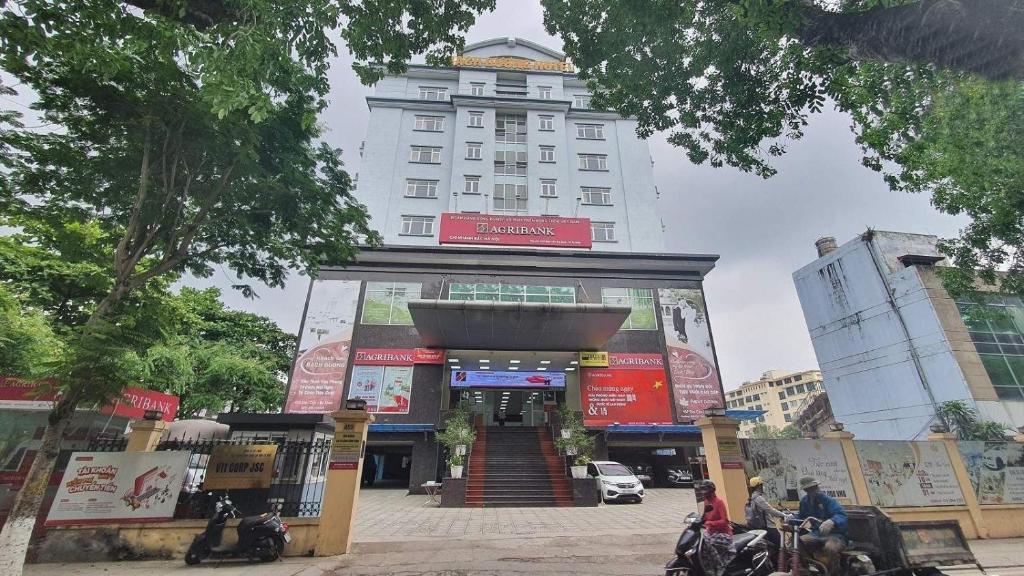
pixel 453 493
pixel 584 492
pixel 424 463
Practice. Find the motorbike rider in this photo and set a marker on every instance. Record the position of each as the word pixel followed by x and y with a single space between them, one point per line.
pixel 718 530
pixel 828 537
pixel 759 512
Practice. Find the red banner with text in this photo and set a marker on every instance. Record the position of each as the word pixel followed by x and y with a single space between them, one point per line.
pixel 549 231
pixel 632 390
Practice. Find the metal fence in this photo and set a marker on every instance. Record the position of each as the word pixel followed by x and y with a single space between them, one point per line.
pixel 296 489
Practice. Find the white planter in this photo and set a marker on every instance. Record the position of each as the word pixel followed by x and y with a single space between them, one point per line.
pixel 460 449
pixel 566 433
pixel 578 471
pixel 456 471
pixel 570 451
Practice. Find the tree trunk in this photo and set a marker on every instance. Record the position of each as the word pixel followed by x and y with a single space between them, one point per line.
pixel 16 532
pixel 984 37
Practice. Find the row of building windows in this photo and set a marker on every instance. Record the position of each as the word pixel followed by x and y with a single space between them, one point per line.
pixel 432 155
pixel 507 88
pixel 424 225
pixel 996 326
pixel 476 120
pixel 387 303
pixel 783 394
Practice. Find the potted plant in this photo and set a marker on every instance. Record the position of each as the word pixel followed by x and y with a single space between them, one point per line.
pixel 456 436
pixel 455 462
pixel 575 442
pixel 579 466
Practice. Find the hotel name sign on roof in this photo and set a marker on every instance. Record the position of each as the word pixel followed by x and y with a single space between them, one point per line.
pixel 510 63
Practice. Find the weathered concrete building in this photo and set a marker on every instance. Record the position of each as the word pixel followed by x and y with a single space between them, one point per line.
pixel 892 345
pixel 777 394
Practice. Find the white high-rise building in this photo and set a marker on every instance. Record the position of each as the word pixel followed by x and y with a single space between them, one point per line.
pixel 494 144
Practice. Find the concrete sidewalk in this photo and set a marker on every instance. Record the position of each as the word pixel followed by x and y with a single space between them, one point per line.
pixel 622 555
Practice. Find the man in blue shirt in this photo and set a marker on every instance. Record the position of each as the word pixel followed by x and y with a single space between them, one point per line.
pixel 829 536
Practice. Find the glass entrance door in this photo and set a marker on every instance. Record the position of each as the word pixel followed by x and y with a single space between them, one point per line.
pixel 517 407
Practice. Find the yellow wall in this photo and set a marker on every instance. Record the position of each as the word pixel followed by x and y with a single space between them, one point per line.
pixel 172 539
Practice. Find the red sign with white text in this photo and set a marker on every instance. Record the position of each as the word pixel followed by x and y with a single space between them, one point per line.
pixel 634 391
pixel 496 230
pixel 397 356
pixel 135 402
pixel 21 394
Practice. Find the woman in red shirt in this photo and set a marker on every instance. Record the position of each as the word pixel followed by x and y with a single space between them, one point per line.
pixel 717 532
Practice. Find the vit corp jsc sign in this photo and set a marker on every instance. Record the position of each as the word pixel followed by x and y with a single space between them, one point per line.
pixel 545 231
pixel 240 466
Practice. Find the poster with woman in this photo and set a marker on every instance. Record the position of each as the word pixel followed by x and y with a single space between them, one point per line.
pixel 396 391
pixel 692 368
pixel 366 385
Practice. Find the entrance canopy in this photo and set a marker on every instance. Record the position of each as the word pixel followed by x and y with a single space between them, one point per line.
pixel 486 325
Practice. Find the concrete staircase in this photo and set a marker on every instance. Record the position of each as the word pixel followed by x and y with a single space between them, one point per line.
pixel 516 466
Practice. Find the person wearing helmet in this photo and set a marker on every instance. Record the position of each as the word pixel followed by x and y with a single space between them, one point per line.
pixel 759 512
pixel 829 535
pixel 718 529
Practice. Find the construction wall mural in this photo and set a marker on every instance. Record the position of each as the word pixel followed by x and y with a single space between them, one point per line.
pixel 695 380
pixel 996 470
pixel 318 376
pixel 908 473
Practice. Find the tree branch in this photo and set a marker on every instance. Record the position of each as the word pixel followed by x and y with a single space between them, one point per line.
pixel 984 37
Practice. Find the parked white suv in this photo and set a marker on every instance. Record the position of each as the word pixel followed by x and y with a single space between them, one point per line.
pixel 617 482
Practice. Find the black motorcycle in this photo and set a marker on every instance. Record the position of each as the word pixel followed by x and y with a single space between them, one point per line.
pixel 752 554
pixel 260 537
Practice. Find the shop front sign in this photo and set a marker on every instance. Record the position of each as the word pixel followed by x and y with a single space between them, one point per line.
pixel 632 390
pixel 241 467
pixel 22 394
pixel 593 359
pixel 397 356
pixel 500 379
pixel 549 231
pixel 510 63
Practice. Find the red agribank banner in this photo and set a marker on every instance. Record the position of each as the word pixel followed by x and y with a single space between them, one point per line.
pixel 397 356
pixel 632 390
pixel 20 394
pixel 515 230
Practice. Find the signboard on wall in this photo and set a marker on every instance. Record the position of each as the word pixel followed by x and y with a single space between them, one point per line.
pixel 996 470
pixel 135 402
pixel 21 394
pixel 318 376
pixel 691 358
pixel 593 359
pixel 908 473
pixel 490 229
pixel 397 356
pixel 104 487
pixel 386 389
pixel 240 466
pixel 500 379
pixel 781 463
pixel 346 447
pixel 632 390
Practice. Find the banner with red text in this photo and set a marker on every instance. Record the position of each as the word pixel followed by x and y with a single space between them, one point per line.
pixel 632 390
pixel 318 376
pixel 691 358
pixel 490 229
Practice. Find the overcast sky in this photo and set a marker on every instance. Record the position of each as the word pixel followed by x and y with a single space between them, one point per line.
pixel 763 229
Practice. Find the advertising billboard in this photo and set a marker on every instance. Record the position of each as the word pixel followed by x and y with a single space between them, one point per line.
pixel 908 473
pixel 691 358
pixel 633 390
pixel 318 376
pixel 551 231
pixel 386 389
pixel 104 487
pixel 781 463
pixel 499 379
pixel 996 470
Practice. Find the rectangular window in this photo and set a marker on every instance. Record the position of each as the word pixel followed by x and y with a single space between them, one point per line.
pixel 602 231
pixel 798 378
pixel 421 188
pixel 782 394
pixel 547 123
pixel 597 162
pixel 510 197
pixel 758 407
pixel 433 93
pixel 547 153
pixel 425 154
pixel 800 389
pixel 996 326
pixel 476 119
pixel 596 196
pixel 785 406
pixel 544 92
pixel 388 302
pixel 473 150
pixel 641 300
pixel 509 129
pixel 430 123
pixel 476 88
pixel 590 131
pixel 512 293
pixel 581 101
pixel 510 163
pixel 787 417
pixel 418 225
pixel 788 380
pixel 472 185
pixel 548 188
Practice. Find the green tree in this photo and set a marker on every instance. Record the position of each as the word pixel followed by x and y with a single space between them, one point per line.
pixel 731 81
pixel 962 419
pixel 187 132
pixel 28 347
pixel 790 432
